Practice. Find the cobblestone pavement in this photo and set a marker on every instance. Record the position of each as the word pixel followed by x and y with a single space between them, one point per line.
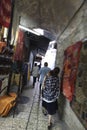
pixel 28 114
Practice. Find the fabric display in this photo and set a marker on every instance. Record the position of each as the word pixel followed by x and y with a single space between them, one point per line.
pixel 79 103
pixel 71 61
pixel 3 83
pixel 5 12
pixel 15 79
pixel 26 47
pixel 18 55
pixel 81 82
pixel 2 46
pixel 28 77
pixel 6 103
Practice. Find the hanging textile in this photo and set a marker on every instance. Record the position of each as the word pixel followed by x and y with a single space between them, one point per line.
pixel 2 46
pixel 18 56
pixel 7 102
pixel 26 46
pixel 5 13
pixel 71 61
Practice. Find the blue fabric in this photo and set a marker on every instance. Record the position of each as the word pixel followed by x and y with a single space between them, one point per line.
pixel 43 71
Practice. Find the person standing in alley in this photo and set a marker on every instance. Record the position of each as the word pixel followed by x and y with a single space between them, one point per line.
pixel 51 92
pixel 43 71
pixel 35 73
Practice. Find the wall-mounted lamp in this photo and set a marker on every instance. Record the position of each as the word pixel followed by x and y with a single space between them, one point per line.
pixel 29 30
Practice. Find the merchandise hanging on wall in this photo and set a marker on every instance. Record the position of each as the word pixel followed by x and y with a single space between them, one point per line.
pixel 5 12
pixel 18 55
pixel 2 46
pixel 71 61
pixel 79 102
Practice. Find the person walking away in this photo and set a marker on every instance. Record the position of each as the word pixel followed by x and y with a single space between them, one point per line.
pixel 35 73
pixel 51 93
pixel 43 71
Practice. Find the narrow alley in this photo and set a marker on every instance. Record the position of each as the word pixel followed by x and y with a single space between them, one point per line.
pixel 35 32
pixel 28 114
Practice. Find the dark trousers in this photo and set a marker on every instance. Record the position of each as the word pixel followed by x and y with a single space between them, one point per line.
pixel 40 88
pixel 34 80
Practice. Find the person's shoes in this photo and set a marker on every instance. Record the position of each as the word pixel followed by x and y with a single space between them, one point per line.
pixel 50 126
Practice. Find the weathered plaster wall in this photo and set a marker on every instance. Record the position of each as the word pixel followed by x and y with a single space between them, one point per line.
pixel 76 31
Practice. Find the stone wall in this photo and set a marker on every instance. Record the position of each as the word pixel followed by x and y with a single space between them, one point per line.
pixel 76 31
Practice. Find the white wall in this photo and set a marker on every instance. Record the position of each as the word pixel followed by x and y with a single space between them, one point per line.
pixel 50 57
